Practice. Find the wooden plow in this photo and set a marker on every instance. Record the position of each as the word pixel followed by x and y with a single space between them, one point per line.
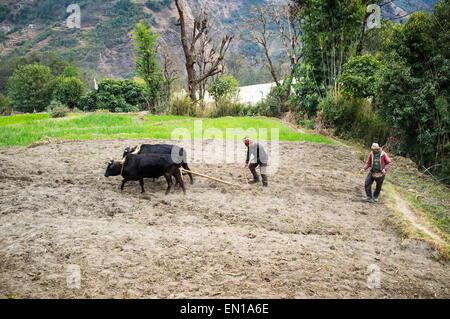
pixel 211 178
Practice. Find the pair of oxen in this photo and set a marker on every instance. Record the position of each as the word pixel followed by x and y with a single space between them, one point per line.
pixel 150 161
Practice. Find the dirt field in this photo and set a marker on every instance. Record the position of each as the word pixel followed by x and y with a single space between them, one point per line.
pixel 306 236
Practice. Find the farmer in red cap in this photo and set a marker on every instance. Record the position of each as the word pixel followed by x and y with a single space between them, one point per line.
pixel 259 158
pixel 379 163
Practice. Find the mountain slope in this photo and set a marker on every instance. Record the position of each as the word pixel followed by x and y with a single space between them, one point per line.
pixel 104 42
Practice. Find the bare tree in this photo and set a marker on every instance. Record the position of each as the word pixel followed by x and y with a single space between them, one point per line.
pixel 289 28
pixel 206 57
pixel 285 16
pixel 258 25
pixel 202 60
pixel 168 66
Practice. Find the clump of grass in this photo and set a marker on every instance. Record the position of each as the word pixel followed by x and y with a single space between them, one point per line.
pixel 181 105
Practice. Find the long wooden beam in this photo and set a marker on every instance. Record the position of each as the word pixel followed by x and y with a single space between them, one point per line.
pixel 211 178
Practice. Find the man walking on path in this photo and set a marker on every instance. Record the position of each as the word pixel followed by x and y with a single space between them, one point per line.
pixel 259 158
pixel 379 163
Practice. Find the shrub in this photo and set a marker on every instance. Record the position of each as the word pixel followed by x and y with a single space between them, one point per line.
pixel 59 111
pixel 4 12
pixel 54 103
pixel 181 104
pixel 274 101
pixel 227 106
pixel 309 124
pixel 202 109
pixel 154 5
pixel 270 106
pixel 115 96
pixel 251 110
pixel 354 118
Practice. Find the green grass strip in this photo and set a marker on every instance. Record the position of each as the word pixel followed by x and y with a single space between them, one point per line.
pixel 110 126
pixel 15 119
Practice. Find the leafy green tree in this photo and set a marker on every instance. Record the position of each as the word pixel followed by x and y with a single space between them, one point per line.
pixel 146 63
pixel 358 76
pixel 412 88
pixel 224 86
pixel 29 88
pixel 330 35
pixel 375 38
pixel 308 90
pixel 56 65
pixel 8 66
pixel 71 71
pixel 68 91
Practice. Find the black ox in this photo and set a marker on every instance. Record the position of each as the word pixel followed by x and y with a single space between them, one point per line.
pixel 177 153
pixel 136 167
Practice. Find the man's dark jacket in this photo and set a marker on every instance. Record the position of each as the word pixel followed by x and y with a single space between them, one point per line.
pixel 258 152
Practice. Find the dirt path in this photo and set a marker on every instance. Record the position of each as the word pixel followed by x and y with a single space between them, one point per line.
pixel 308 235
pixel 416 221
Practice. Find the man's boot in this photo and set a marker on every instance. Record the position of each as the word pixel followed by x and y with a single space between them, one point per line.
pixel 264 180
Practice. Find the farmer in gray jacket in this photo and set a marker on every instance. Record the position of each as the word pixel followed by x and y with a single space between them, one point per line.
pixel 260 158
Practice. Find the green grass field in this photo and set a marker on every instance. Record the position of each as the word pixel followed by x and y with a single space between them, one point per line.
pixel 22 130
pixel 10 120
